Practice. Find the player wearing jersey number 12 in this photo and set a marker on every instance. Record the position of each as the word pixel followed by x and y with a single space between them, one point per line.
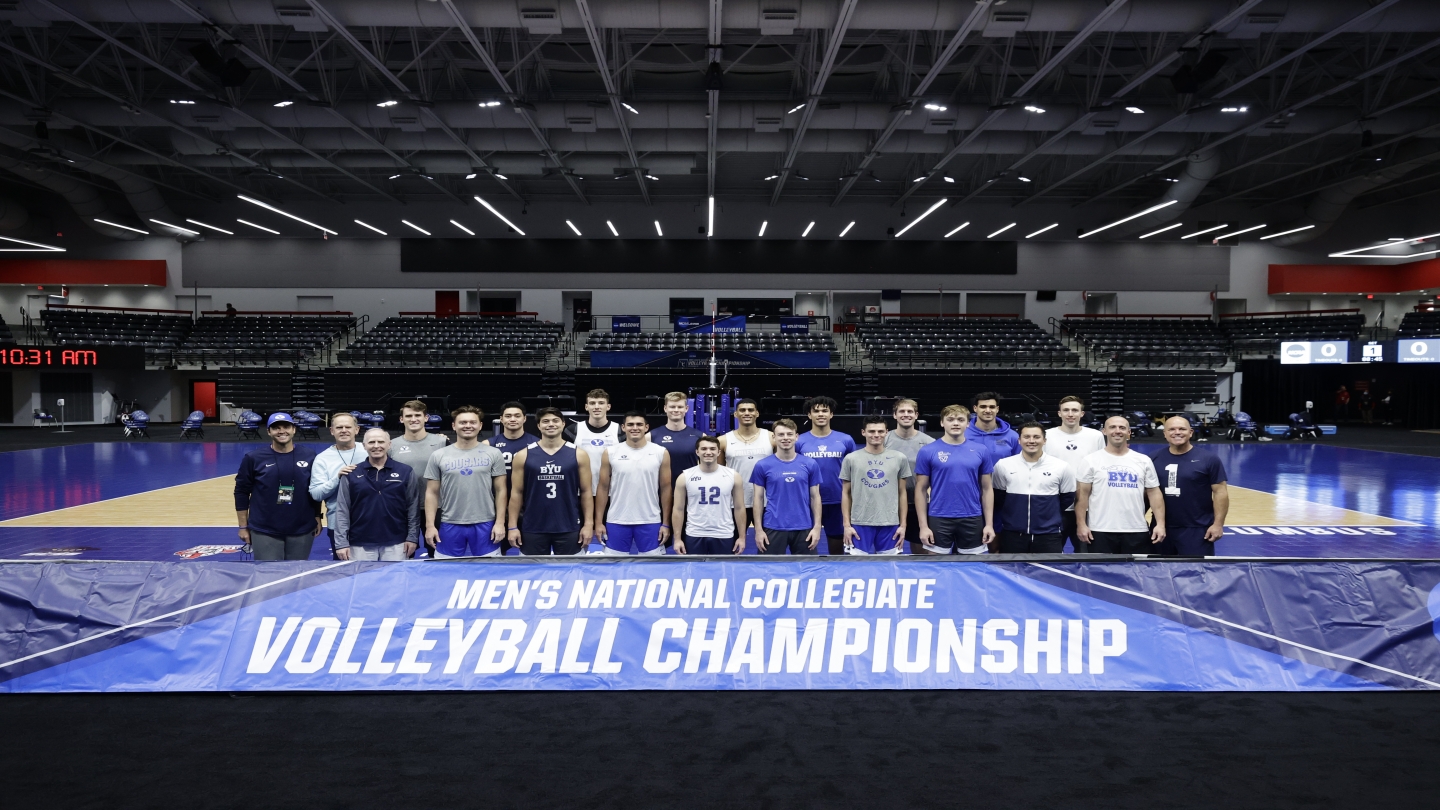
pixel 709 511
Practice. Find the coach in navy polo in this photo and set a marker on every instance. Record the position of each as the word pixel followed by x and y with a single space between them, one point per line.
pixel 278 518
pixel 377 514
pixel 1197 498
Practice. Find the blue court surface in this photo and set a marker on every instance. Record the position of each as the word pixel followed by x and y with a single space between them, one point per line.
pixel 168 501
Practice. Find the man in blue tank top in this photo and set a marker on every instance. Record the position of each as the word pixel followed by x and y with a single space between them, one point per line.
pixel 554 493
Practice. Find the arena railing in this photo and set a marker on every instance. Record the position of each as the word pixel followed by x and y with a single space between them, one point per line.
pixel 819 324
pixel 437 314
pixel 121 309
pixel 1294 313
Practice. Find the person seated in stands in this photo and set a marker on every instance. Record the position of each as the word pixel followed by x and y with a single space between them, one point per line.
pixel 231 311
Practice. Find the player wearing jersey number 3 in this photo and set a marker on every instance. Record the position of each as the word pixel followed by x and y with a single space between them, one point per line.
pixel 709 512
pixel 551 486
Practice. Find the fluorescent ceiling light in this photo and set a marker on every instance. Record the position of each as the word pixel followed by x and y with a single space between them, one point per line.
pixel 1162 230
pixel 1207 230
pixel 470 176
pixel 797 108
pixel 33 246
pixel 573 228
pixel 269 207
pixel 283 103
pixel 462 227
pixel 847 229
pixel 612 227
pixel 710 219
pixel 500 176
pixel 807 229
pixel 393 177
pixel 658 232
pixel 762 227
pixel 920 179
pixel 261 227
pixel 1023 179
pixel 948 179
pixel 1234 109
pixel 1002 230
pixel 958 229
pixel 1389 243
pixel 628 107
pixel 651 177
pixel 1285 233
pixel 1236 233
pixel 416 227
pixel 1151 209
pixel 181 101
pixel 490 103
pixel 1042 230
pixel 1135 110
pixel 211 227
pixel 122 227
pixel 391 103
pixel 935 107
pixel 371 227
pixel 772 177
pixel 916 221
pixel 1032 108
pixel 1396 239
pixel 501 216
pixel 175 227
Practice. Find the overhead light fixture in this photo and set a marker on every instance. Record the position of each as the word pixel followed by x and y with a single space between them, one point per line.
pixel 1287 233
pixel 762 227
pixel 658 232
pixel 807 229
pixel 1235 233
pixel 1032 108
pixel 772 177
pixel 962 226
pixel 920 179
pixel 211 227
pixel 174 227
pixel 1023 179
pixel 916 221
pixel 499 176
pixel 371 227
pixel 1135 110
pixel 32 246
pixel 847 229
pixel 416 227
pixel 612 227
pixel 935 107
pixel 1207 230
pixel 1042 230
pixel 499 215
pixel 1002 230
pixel 947 178
pixel 181 101
pixel 1149 210
pixel 710 219
pixel 285 103
pixel 260 227
pixel 394 177
pixel 491 103
pixel 628 107
pixel 651 177
pixel 470 176
pixel 797 108
pixel 1390 239
pixel 122 227
pixel 573 228
pixel 1162 230
pixel 390 103
pixel 1234 109
pixel 801 177
pixel 462 227
pixel 270 207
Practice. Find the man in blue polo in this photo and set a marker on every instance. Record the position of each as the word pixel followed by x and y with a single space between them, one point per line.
pixel 377 514
pixel 278 518
pixel 787 497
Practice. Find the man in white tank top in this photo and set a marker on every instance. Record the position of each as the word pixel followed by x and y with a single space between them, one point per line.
pixel 595 433
pixel 709 512
pixel 635 485
pixel 745 445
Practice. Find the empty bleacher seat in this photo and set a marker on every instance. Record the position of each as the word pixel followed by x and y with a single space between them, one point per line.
pixel 1265 333
pixel 962 341
pixel 158 334
pixel 6 338
pixel 463 340
pixel 263 339
pixel 694 341
pixel 1419 325
pixel 1151 340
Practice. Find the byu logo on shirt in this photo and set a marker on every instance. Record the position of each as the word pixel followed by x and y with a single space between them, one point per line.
pixel 394 475
pixel 822 448
pixel 789 479
pixel 943 456
pixel 875 474
pixel 665 440
pixel 1071 446
pixel 467 471
pixel 302 464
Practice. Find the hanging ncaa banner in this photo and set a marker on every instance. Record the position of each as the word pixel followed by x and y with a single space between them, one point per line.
pixel 711 624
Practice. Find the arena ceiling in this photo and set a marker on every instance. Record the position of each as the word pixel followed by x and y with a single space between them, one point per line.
pixel 1314 108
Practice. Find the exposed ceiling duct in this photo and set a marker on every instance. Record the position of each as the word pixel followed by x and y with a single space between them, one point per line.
pixel 1331 203
pixel 1199 169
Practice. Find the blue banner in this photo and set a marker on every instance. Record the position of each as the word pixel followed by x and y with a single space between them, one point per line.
pixel 702 324
pixel 676 623
pixel 624 323
pixel 795 326
pixel 687 359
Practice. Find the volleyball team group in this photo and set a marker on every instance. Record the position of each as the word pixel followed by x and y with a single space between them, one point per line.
pixel 623 487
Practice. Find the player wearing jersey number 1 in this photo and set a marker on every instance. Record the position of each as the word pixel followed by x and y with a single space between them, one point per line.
pixel 1197 499
pixel 709 511
pixel 634 492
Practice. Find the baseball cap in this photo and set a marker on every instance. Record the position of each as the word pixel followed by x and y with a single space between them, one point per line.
pixel 278 416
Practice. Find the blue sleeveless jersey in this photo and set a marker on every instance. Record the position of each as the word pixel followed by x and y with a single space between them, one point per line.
pixel 552 491
pixel 509 447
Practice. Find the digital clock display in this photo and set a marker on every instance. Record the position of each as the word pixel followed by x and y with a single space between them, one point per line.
pixel 73 357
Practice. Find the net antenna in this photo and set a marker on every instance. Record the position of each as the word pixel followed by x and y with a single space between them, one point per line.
pixel 712 346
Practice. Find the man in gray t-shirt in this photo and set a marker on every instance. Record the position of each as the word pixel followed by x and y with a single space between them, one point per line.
pixel 466 485
pixel 416 452
pixel 908 439
pixel 873 496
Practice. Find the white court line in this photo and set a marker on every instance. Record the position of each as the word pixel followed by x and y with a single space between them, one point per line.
pixel 173 613
pixel 1184 609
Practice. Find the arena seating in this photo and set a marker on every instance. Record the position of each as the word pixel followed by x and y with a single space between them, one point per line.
pixel 158 334
pixel 6 339
pixel 690 341
pixel 461 340
pixel 1419 325
pixel 1263 332
pixel 1150 340
pixel 962 341
pixel 261 340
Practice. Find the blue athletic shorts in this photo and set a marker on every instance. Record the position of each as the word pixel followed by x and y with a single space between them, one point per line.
pixel 832 520
pixel 875 540
pixel 641 538
pixel 467 540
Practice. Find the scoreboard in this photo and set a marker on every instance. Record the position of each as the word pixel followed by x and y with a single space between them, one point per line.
pixel 1327 352
pixel 73 358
